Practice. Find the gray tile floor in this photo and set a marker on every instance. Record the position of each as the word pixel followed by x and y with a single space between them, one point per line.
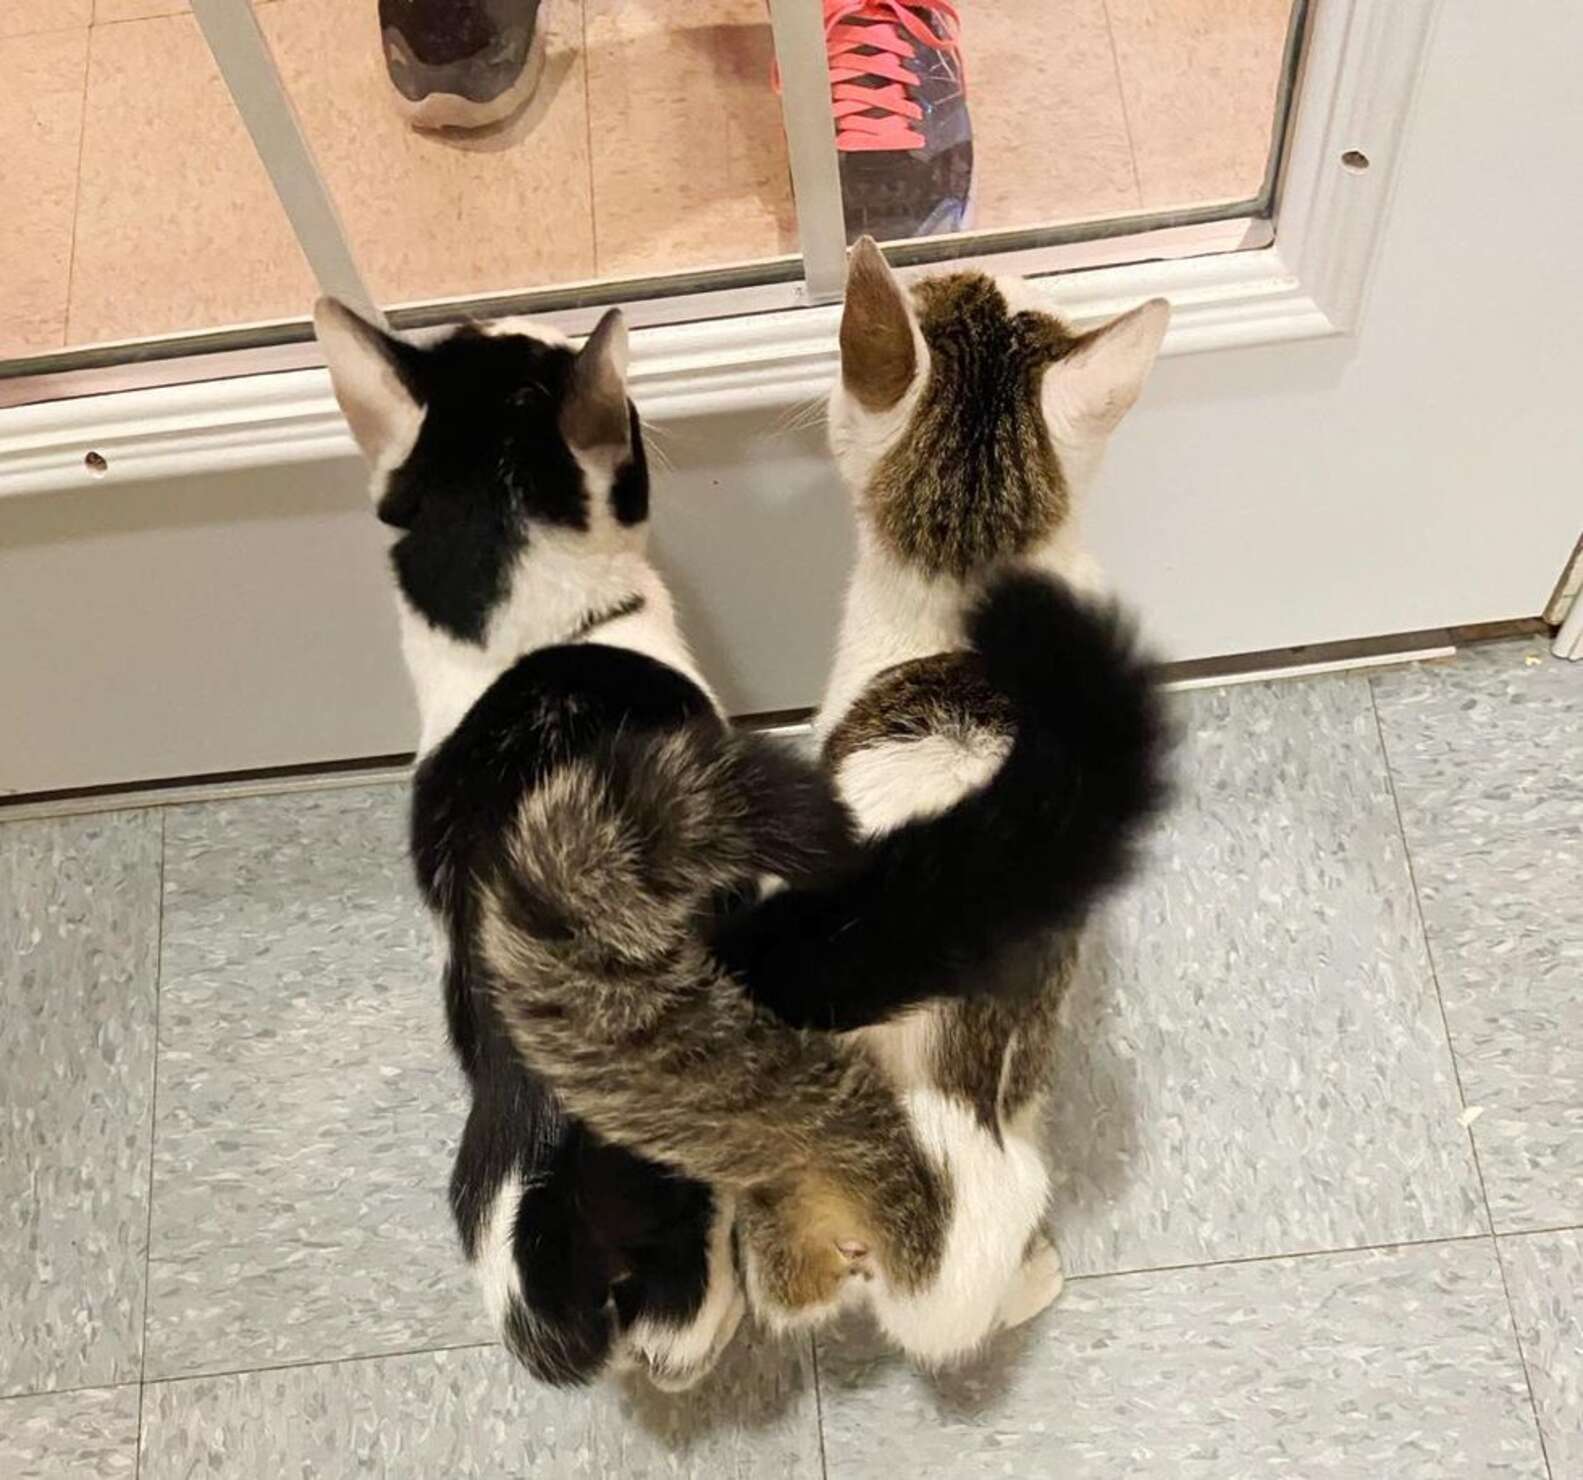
pixel 1318 1147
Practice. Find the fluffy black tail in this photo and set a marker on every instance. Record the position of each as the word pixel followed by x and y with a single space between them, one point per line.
pixel 1031 850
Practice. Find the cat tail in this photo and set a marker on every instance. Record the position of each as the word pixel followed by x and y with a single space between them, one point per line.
pixel 938 899
pixel 592 929
pixel 692 1050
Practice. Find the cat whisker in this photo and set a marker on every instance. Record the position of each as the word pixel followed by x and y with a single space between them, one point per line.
pixel 655 442
pixel 801 416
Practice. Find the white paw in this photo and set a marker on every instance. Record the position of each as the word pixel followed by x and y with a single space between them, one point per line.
pixel 1036 1285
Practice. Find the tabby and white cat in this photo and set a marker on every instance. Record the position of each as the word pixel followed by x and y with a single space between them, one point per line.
pixel 583 828
pixel 966 422
pixel 1001 743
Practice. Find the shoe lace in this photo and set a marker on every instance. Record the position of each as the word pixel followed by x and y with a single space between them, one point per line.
pixel 870 41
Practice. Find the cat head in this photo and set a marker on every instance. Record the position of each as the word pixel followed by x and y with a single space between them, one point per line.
pixel 968 415
pixel 492 451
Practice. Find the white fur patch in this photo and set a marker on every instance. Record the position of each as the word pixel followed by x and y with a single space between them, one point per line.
pixel 495 1264
pixel 999 1192
pixel 448 675
pixel 893 613
pixel 558 581
pixel 1037 1283
pixel 529 328
pixel 678 1356
pixel 886 785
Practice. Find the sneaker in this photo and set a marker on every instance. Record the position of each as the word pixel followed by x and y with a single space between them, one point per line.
pixel 461 63
pixel 900 102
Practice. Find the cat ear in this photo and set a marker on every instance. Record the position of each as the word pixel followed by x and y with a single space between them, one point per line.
pixel 372 375
pixel 595 415
pixel 1101 378
pixel 879 355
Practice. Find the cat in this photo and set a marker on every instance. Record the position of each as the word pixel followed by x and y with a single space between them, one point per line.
pixel 966 422
pixel 577 792
pixel 518 489
pixel 1004 780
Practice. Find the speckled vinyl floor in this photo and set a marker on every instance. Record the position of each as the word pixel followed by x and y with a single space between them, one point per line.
pixel 1318 1146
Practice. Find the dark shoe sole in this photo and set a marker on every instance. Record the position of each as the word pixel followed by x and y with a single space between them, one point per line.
pixel 443 110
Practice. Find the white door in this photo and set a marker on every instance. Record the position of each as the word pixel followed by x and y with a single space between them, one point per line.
pixel 1366 422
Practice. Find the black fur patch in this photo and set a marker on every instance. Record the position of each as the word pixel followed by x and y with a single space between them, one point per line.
pixel 489 461
pixel 602 1236
pixel 932 905
pixel 629 493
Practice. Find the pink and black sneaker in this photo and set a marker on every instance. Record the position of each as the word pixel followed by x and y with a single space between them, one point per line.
pixel 902 128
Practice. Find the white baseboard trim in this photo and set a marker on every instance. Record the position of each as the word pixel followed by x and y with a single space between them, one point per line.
pixel 177 794
pixel 1311 670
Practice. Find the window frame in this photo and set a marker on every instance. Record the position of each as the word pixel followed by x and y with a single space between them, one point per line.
pixel 1302 274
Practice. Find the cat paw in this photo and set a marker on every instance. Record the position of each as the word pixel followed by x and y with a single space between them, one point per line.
pixel 1038 1282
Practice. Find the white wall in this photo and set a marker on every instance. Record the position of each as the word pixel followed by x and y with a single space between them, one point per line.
pixel 1429 472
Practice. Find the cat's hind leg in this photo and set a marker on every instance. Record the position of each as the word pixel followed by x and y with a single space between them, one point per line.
pixel 687 1357
pixel 1036 1285
pixel 676 1354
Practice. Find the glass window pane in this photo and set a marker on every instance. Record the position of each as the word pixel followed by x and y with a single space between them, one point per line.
pixel 643 140
pixel 136 206
pixel 689 157
pixel 650 143
pixel 40 139
pixel 1072 110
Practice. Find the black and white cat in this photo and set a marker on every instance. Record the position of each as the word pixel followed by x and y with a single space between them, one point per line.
pixel 533 626
pixel 590 836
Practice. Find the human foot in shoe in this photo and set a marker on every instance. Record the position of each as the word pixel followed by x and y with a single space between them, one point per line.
pixel 461 63
pixel 902 127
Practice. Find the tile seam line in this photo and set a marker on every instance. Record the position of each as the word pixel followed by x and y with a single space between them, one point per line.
pixel 153 15
pixel 1121 94
pixel 588 139
pixel 153 1127
pixel 47 30
pixel 1428 945
pixel 1429 949
pixel 1522 1358
pixel 818 1404
pixel 1512 1233
pixel 76 184
pixel 1280 1258
pixel 308 1363
pixel 1456 1070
